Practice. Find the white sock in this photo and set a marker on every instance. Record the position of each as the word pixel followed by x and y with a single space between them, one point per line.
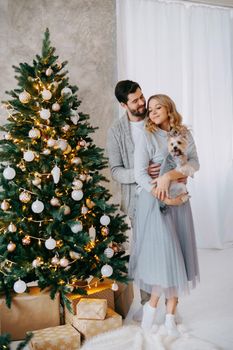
pixel 148 316
pixel 170 325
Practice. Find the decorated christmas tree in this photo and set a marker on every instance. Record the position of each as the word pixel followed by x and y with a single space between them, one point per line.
pixel 56 225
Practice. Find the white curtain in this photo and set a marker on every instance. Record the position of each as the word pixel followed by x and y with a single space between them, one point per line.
pixel 184 50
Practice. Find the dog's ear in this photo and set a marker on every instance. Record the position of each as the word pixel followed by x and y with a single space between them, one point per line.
pixel 172 133
pixel 183 131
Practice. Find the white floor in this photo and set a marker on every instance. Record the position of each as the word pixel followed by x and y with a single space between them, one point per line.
pixel 208 312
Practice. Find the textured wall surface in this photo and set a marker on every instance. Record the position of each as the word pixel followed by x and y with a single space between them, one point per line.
pixel 83 32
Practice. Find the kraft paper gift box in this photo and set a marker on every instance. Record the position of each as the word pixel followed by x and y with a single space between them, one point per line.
pixel 102 291
pixel 94 309
pixel 90 328
pixel 29 311
pixel 56 338
pixel 123 298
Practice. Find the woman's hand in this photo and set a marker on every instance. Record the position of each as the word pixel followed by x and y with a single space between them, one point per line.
pixel 162 185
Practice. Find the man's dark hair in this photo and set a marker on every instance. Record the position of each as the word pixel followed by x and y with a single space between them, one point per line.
pixel 124 88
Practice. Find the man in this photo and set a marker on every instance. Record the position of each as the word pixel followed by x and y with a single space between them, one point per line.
pixel 120 147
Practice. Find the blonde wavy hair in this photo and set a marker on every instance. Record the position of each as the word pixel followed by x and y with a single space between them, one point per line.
pixel 175 119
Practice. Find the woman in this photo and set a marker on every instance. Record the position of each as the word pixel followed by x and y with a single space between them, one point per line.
pixel 164 260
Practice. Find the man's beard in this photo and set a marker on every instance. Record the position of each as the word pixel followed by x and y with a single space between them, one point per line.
pixel 137 113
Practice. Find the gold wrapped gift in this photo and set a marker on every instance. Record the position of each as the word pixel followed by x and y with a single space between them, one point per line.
pixel 102 291
pixel 29 311
pixel 55 338
pixel 90 328
pixel 89 308
pixel 123 298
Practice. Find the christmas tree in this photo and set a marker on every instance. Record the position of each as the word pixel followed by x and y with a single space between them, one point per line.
pixel 56 225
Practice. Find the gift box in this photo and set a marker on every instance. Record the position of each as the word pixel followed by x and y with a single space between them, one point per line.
pixel 95 309
pixel 90 328
pixel 123 298
pixel 56 338
pixel 101 291
pixel 29 311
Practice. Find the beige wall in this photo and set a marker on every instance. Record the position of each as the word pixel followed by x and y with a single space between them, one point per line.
pixel 83 32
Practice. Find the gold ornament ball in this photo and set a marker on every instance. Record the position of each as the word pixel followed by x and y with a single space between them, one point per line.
pixel 5 205
pixel 104 231
pixel 90 204
pixel 68 149
pixel 26 240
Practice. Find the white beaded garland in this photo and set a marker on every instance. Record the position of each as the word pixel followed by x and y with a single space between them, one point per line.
pixel 28 156
pixel 20 286
pixel 106 270
pixel 9 173
pixel 37 206
pixel 50 243
pixel 105 220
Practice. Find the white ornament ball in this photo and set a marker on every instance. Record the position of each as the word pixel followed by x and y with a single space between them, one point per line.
pixel 46 152
pixel 20 286
pixel 49 71
pixel 11 247
pixel 51 142
pixel 24 97
pixel 36 181
pixel 7 136
pixel 9 173
pixel 84 210
pixel 55 202
pixel 115 287
pixel 25 197
pixel 5 205
pixel 55 260
pixel 50 243
pixel 37 206
pixel 56 107
pixel 36 262
pixel 106 270
pixel 76 161
pixel 62 144
pixel 66 92
pixel 75 119
pixel 83 177
pixel 109 252
pixel 105 220
pixel 77 184
pixel 65 128
pixel 46 95
pixel 74 255
pixel 64 262
pixel 12 228
pixel 77 227
pixel 28 156
pixel 66 209
pixel 34 133
pixel 77 195
pixel 45 114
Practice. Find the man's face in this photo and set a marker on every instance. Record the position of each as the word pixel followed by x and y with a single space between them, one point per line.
pixel 136 104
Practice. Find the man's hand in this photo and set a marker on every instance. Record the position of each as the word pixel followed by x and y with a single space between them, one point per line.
pixel 153 170
pixel 183 180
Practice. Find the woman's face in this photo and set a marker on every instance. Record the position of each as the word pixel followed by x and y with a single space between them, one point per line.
pixel 158 114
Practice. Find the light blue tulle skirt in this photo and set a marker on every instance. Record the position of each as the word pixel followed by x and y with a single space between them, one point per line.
pixel 164 257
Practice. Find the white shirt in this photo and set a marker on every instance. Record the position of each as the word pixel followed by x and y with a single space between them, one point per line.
pixel 135 128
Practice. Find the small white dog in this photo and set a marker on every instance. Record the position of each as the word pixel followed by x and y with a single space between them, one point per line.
pixel 177 159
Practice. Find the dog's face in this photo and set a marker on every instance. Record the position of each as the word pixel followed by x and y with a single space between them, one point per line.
pixel 177 145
